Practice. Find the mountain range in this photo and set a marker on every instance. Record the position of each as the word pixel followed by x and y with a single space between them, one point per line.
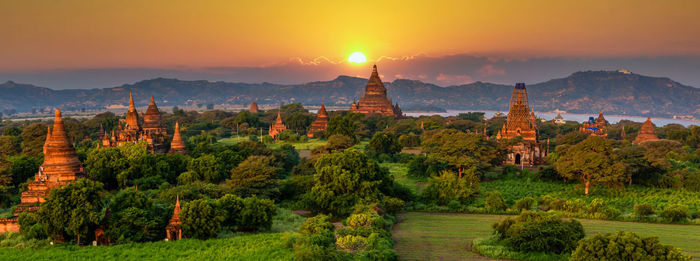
pixel 615 92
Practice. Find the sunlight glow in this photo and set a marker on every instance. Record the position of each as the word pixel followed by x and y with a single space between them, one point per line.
pixel 357 57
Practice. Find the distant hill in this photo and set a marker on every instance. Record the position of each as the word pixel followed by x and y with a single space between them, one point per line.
pixel 582 92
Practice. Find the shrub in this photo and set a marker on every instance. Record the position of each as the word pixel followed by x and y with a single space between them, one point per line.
pixel 233 206
pixel 448 187
pixel 392 205
pixel 643 210
pixel 494 201
pixel 537 232
pixel 675 213
pixel 352 243
pixel 525 203
pixel 201 219
pixel 625 246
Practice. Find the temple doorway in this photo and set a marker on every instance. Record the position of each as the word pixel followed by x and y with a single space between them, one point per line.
pixel 517 159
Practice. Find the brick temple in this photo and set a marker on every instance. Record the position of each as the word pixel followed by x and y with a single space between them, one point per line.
pixel 595 126
pixel 375 100
pixel 321 122
pixel 647 133
pixel 177 145
pixel 277 127
pixel 520 122
pixel 131 130
pixel 173 231
pixel 61 166
pixel 253 108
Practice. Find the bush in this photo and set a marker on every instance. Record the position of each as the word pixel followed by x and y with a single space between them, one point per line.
pixel 675 213
pixel 643 210
pixel 625 246
pixel 448 187
pixel 537 232
pixel 201 219
pixel 525 203
pixel 257 214
pixel 494 201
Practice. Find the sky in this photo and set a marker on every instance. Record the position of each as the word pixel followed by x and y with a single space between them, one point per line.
pixel 95 44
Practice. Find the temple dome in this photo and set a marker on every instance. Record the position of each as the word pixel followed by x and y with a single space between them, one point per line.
pixel 152 119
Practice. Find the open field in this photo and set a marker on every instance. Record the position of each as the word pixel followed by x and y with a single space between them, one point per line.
pixel 263 246
pixel 400 173
pixel 442 236
pixel 312 143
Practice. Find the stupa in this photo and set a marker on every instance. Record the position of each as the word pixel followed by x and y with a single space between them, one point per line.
pixel 647 133
pixel 130 130
pixel 277 127
pixel 595 127
pixel 253 107
pixel 375 99
pixel 320 123
pixel 173 231
pixel 177 145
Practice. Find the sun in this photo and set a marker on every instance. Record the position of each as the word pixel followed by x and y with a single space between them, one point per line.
pixel 357 57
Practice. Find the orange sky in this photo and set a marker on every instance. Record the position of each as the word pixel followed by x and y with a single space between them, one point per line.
pixel 36 35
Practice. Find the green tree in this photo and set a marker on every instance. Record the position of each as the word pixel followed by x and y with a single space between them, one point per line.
pixel 72 210
pixel 12 131
pixel 233 206
pixel 449 187
pixel 591 161
pixel 208 167
pixel 255 176
pixel 625 246
pixel 537 232
pixel 9 145
pixel 33 139
pixel 256 214
pixel 463 151
pixel 104 165
pixel 385 142
pixel 23 168
pixel 201 219
pixel 344 179
pixel 343 125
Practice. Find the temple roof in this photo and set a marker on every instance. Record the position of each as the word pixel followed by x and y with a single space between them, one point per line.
pixel 278 121
pixel 646 133
pixel 375 85
pixel 322 111
pixel 177 144
pixel 59 149
pixel 132 116
pixel 253 107
pixel 152 119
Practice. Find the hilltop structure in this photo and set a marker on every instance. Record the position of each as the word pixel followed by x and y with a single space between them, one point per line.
pixel 173 231
pixel 277 127
pixel 647 133
pixel 130 129
pixel 61 166
pixel 521 123
pixel 321 122
pixel 559 120
pixel 375 99
pixel 595 127
pixel 177 145
pixel 253 108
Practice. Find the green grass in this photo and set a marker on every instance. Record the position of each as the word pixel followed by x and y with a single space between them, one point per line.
pixel 443 236
pixel 264 246
pixel 400 173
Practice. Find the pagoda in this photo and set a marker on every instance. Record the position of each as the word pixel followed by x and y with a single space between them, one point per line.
pixel 277 127
pixel 177 145
pixel 320 123
pixel 173 231
pixel 647 133
pixel 375 99
pixel 520 122
pixel 61 166
pixel 253 108
pixel 595 127
pixel 131 131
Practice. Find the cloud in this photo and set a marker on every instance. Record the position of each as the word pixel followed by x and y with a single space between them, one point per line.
pixel 454 79
pixel 490 70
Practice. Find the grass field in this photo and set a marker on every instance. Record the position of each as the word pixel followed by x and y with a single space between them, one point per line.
pixel 442 236
pixel 310 144
pixel 264 246
pixel 400 172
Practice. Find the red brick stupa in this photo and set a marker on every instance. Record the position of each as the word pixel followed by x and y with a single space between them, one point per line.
pixel 61 166
pixel 374 99
pixel 647 133
pixel 320 123
pixel 177 145
pixel 253 107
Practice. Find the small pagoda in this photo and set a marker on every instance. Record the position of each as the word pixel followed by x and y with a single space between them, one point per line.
pixel 321 122
pixel 647 133
pixel 130 130
pixel 177 145
pixel 277 127
pixel 173 231
pixel 375 99
pixel 520 122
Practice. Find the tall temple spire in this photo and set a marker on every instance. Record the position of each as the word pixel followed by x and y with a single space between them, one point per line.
pixel 374 99
pixel 132 116
pixel 173 231
pixel 177 145
pixel 48 138
pixel 320 123
pixel 520 120
pixel 132 107
pixel 253 108
pixel 152 119
pixel 279 117
pixel 646 133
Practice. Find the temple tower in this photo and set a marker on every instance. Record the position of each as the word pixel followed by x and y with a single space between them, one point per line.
pixel 173 231
pixel 647 133
pixel 277 127
pixel 375 100
pixel 521 122
pixel 253 108
pixel 132 116
pixel 177 145
pixel 320 123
